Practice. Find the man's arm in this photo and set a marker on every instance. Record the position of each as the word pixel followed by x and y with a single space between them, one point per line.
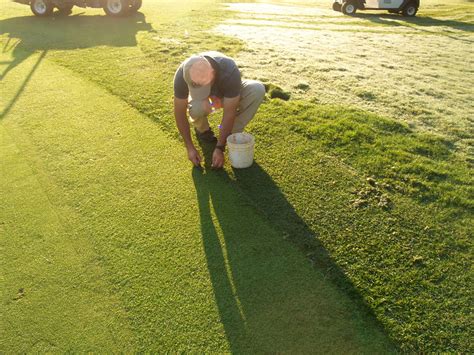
pixel 230 110
pixel 180 115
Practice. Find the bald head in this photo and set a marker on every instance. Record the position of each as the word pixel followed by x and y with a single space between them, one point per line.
pixel 198 71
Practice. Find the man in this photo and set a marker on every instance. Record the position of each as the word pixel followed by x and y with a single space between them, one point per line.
pixel 206 82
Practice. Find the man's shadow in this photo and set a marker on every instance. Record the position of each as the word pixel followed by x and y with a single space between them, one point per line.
pixel 267 300
pixel 29 34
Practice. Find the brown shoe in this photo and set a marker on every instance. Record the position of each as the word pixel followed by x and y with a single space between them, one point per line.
pixel 207 136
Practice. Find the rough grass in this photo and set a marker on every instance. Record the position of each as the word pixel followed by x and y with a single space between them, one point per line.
pixel 423 166
pixel 398 242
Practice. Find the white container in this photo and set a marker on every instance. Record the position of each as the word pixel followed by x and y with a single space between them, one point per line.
pixel 241 150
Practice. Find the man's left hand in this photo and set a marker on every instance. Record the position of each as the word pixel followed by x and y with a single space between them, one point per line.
pixel 217 159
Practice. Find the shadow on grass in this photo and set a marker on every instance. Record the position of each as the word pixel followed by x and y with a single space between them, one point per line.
pixel 269 199
pixel 29 34
pixel 420 21
pixel 417 23
pixel 231 317
pixel 262 302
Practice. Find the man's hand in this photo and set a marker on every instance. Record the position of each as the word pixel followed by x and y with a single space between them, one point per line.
pixel 217 159
pixel 194 156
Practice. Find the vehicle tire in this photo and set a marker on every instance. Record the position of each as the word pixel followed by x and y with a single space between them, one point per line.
pixel 135 5
pixel 65 10
pixel 336 6
pixel 116 7
pixel 349 8
pixel 42 8
pixel 410 10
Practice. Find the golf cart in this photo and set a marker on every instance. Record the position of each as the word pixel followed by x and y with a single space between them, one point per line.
pixel 405 7
pixel 44 8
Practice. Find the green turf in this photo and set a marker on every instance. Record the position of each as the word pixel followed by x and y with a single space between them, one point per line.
pixel 117 244
pixel 53 294
pixel 399 249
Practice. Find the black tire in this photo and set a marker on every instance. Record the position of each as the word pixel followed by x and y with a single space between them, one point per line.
pixel 349 8
pixel 135 5
pixel 336 6
pixel 42 8
pixel 410 10
pixel 116 8
pixel 65 10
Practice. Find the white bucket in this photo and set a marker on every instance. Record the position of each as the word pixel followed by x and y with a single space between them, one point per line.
pixel 240 149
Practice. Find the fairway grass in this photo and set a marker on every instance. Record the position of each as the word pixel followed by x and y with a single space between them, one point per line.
pixel 54 296
pixel 345 214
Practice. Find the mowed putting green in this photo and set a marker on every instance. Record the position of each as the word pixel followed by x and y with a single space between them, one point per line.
pixel 112 242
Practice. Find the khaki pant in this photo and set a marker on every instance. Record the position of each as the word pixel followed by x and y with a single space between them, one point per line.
pixel 251 96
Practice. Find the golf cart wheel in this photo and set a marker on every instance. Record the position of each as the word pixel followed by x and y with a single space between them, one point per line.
pixel 41 8
pixel 135 5
pixel 336 6
pixel 116 7
pixel 349 8
pixel 410 10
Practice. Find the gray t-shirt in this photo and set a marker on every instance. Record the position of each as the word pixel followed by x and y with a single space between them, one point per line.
pixel 227 83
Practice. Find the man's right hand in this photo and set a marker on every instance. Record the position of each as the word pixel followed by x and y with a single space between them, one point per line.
pixel 194 156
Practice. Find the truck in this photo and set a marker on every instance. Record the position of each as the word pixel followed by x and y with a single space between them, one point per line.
pixel 43 8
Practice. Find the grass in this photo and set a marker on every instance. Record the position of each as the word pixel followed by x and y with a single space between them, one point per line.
pixel 53 288
pixel 357 60
pixel 109 255
pixel 166 244
pixel 405 248
pixel 420 165
pixel 380 209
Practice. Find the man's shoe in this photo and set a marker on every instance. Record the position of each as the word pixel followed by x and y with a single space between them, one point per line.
pixel 207 136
